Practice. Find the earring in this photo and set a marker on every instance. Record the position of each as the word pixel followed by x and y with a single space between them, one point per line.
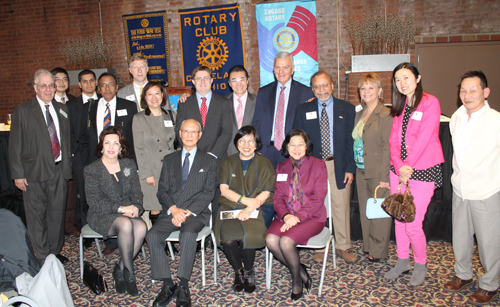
pixel 102 151
pixel 120 152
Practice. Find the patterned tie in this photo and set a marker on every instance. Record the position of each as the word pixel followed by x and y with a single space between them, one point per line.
pixel 185 170
pixel 63 100
pixel 324 127
pixel 280 119
pixel 56 148
pixel 107 117
pixel 203 110
pixel 239 113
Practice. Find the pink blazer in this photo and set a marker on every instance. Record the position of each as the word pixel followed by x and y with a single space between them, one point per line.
pixel 422 136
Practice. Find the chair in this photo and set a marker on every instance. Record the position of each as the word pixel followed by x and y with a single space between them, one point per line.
pixel 202 235
pixel 88 233
pixel 321 240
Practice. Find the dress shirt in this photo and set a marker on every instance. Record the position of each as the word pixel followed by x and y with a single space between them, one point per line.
pixel 464 133
pixel 209 98
pixel 59 99
pixel 287 94
pixel 137 90
pixel 101 107
pixel 329 112
pixel 55 119
pixel 243 101
pixel 191 156
pixel 86 98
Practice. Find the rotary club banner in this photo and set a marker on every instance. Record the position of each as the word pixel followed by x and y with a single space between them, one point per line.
pixel 212 36
pixel 290 27
pixel 147 34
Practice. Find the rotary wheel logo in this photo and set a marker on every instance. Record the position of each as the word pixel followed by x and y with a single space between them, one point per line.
pixel 144 23
pixel 212 52
pixel 286 39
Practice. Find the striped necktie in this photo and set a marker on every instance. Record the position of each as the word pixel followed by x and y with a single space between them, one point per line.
pixel 239 113
pixel 280 120
pixel 56 148
pixel 107 117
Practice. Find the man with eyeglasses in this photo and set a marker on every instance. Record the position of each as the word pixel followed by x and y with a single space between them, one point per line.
pixel 40 163
pixel 241 101
pixel 62 85
pixel 275 107
pixel 329 122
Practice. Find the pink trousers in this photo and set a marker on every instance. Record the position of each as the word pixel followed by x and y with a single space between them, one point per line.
pixel 413 233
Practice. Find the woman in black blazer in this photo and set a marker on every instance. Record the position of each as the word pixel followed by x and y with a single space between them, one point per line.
pixel 115 203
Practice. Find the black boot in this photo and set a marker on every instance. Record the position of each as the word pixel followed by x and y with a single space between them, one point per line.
pixel 239 280
pixel 119 281
pixel 130 282
pixel 250 281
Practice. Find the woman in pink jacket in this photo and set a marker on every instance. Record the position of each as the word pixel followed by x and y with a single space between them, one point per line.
pixel 416 157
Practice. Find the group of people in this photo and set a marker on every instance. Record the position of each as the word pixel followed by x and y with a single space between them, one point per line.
pixel 143 171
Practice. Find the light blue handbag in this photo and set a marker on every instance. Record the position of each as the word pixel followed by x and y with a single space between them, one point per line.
pixel 374 209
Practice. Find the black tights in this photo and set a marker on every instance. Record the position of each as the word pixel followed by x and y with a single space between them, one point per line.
pixel 130 233
pixel 285 250
pixel 236 254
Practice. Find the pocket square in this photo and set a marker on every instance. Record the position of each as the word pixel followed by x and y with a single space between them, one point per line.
pixel 341 117
pixel 201 171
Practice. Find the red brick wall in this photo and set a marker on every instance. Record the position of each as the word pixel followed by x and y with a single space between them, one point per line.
pixel 30 31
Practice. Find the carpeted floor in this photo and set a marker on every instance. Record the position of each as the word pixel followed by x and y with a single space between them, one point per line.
pixel 358 284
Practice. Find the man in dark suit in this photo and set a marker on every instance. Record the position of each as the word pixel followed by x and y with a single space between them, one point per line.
pixel 275 107
pixel 186 187
pixel 62 85
pixel 40 163
pixel 241 101
pixel 329 122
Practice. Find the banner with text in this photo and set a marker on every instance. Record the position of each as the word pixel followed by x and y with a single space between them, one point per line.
pixel 211 36
pixel 290 27
pixel 147 34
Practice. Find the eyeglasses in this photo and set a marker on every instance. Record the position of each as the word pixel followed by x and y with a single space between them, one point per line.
pixel 62 79
pixel 110 84
pixel 188 132
pixel 249 142
pixel 239 80
pixel 320 86
pixel 199 79
pixel 45 86
pixel 299 146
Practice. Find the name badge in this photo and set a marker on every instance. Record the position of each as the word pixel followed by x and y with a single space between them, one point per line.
pixel 359 108
pixel 130 97
pixel 416 115
pixel 282 177
pixel 63 113
pixel 168 123
pixel 122 112
pixel 311 115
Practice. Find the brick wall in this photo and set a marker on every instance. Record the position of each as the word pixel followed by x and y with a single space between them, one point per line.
pixel 31 29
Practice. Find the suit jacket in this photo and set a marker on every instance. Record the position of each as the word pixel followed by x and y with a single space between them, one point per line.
pixel 264 110
pixel 217 132
pixel 376 133
pixel 128 92
pixel 124 122
pixel 30 149
pixel 200 185
pixel 247 118
pixel 343 124
pixel 422 136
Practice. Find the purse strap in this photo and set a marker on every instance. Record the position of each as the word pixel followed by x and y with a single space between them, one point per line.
pixel 375 194
pixel 407 192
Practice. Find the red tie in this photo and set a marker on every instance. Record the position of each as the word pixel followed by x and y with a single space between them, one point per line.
pixel 280 116
pixel 203 110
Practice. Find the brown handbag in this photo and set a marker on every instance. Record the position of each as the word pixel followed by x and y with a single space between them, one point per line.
pixel 399 206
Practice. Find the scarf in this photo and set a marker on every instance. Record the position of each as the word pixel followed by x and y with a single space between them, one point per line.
pixel 296 197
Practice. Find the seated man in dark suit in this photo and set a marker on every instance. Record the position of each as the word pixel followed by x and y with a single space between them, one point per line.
pixel 186 187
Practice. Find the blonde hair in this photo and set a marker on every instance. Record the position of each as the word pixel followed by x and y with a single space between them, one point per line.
pixel 371 78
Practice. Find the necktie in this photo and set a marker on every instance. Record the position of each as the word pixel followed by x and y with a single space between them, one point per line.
pixel 239 113
pixel 63 100
pixel 107 117
pixel 280 119
pixel 56 148
pixel 203 110
pixel 185 170
pixel 324 127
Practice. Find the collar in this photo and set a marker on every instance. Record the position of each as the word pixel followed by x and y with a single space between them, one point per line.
pixel 192 152
pixel 288 84
pixel 137 87
pixel 147 111
pixel 329 102
pixel 85 98
pixel 43 104
pixel 243 97
pixel 103 101
pixel 463 111
pixel 59 99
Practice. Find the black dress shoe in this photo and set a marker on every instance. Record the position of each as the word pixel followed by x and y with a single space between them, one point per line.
pixel 309 282
pixel 239 280
pixel 119 280
pixel 63 259
pixel 166 295
pixel 297 296
pixel 373 259
pixel 183 297
pixel 87 242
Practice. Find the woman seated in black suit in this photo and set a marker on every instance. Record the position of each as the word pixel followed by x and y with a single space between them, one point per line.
pixel 246 183
pixel 115 203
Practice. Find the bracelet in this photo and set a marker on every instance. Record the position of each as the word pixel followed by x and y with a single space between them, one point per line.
pixel 239 200
pixel 247 210
pixel 120 209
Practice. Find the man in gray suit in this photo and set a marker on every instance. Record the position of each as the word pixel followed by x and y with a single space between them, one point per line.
pixel 40 163
pixel 241 101
pixel 138 68
pixel 186 187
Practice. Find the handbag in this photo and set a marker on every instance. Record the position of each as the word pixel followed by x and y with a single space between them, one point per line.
pixel 374 207
pixel 93 279
pixel 399 206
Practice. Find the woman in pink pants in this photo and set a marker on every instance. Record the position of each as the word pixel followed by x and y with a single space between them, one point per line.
pixel 416 157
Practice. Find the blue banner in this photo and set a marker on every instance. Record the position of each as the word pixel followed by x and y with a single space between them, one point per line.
pixel 147 34
pixel 211 36
pixel 290 27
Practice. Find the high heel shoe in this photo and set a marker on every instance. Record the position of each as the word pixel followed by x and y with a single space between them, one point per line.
pixel 297 296
pixel 130 283
pixel 308 283
pixel 119 281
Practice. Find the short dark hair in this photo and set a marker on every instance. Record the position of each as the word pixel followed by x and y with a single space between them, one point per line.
pixel 290 135
pixel 58 70
pixel 106 74
pixel 123 141
pixel 399 99
pixel 475 74
pixel 246 130
pixel 85 72
pixel 201 68
pixel 319 73
pixel 237 68
pixel 146 88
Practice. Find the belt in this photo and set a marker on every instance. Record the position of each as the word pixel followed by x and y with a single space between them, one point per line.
pixel 329 158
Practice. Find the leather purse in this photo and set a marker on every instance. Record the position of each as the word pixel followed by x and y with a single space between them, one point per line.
pixel 399 206
pixel 374 207
pixel 93 279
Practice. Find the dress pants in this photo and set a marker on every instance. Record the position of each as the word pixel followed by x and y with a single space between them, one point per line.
pixel 45 205
pixel 480 217
pixel 156 237
pixel 70 225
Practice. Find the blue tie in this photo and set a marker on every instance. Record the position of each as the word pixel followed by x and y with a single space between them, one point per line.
pixel 185 170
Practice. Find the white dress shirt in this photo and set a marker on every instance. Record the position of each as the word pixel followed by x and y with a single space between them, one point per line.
pixel 101 107
pixel 55 119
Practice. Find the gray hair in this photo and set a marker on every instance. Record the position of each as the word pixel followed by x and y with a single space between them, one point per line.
pixel 192 119
pixel 282 55
pixel 42 72
pixel 137 57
